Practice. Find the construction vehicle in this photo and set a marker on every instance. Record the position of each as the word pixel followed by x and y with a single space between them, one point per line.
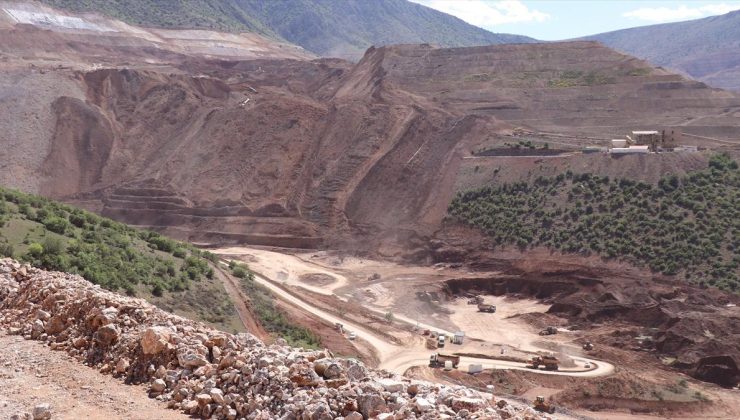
pixel 549 362
pixel 440 360
pixel 588 346
pixel 440 340
pixel 475 300
pixel 339 327
pixel 352 336
pixel 541 405
pixel 486 308
pixel 549 331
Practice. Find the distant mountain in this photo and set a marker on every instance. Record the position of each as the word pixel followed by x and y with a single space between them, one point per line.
pixel 339 28
pixel 705 49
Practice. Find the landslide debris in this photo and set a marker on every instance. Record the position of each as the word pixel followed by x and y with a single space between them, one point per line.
pixel 211 374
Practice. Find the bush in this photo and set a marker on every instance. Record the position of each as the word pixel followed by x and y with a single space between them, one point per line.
pixel 35 250
pixel 56 224
pixel 53 246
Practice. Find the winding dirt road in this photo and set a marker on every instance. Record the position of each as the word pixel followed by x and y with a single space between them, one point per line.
pixel 398 359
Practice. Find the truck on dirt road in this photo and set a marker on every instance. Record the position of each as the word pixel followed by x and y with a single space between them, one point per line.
pixel 549 331
pixel 441 340
pixel 549 362
pixel 486 308
pixel 439 360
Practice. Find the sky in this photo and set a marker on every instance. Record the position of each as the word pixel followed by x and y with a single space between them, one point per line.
pixel 551 20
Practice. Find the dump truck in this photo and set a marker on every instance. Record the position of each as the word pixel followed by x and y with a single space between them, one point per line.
pixel 439 360
pixel 549 362
pixel 541 405
pixel 588 346
pixel 549 331
pixel 486 308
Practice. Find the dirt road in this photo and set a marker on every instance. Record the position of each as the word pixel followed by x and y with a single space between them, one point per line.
pixel 398 359
pixel 31 374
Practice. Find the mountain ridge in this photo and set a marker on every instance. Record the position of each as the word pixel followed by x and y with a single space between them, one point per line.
pixel 705 49
pixel 326 27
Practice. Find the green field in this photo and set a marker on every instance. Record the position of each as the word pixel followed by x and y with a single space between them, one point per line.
pixel 687 226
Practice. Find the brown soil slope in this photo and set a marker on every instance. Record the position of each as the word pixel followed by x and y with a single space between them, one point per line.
pixel 311 153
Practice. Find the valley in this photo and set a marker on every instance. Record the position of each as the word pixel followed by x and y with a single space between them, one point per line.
pixel 314 230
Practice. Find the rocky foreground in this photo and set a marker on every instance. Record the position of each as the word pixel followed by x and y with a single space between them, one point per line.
pixel 212 374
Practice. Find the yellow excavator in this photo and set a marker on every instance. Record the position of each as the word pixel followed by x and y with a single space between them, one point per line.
pixel 541 405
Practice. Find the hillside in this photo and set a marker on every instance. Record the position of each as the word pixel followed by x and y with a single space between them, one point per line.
pixel 688 225
pixel 172 274
pixel 705 49
pixel 319 153
pixel 333 28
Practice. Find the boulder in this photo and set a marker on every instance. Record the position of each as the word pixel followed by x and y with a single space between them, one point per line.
pixel 465 403
pixel 107 334
pixel 155 340
pixel 191 360
pixel 371 405
pixel 42 412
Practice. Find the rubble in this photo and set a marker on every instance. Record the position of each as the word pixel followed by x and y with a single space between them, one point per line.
pixel 208 373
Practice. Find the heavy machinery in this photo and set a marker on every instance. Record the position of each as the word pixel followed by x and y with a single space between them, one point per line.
pixel 339 327
pixel 549 362
pixel 588 346
pixel 486 308
pixel 440 360
pixel 541 405
pixel 441 340
pixel 475 300
pixel 549 331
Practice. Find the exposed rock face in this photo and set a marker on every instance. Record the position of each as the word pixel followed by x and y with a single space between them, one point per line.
pixel 132 339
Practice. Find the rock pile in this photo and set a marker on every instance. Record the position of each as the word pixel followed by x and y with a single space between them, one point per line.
pixel 212 374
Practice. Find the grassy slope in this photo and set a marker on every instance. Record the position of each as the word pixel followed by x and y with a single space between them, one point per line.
pixel 269 316
pixel 220 15
pixel 344 28
pixel 172 275
pixel 688 226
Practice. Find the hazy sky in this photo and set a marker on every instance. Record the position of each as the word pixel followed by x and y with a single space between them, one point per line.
pixel 556 19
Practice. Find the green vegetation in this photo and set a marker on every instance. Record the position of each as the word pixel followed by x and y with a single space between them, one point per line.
pixel 55 236
pixel 687 226
pixel 221 15
pixel 269 315
pixel 326 27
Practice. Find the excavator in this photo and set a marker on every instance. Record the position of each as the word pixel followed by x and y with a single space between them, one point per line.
pixel 541 405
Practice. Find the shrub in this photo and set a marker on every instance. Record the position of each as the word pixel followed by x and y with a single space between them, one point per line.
pixel 56 224
pixel 35 250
